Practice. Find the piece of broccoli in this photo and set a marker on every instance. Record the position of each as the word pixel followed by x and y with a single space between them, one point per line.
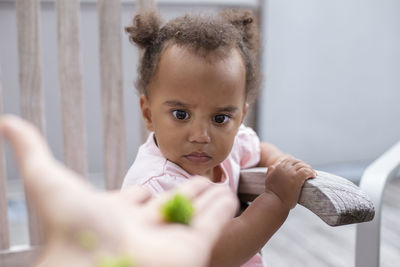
pixel 178 209
pixel 120 261
pixel 88 240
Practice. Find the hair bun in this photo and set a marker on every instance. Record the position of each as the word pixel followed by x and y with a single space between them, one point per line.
pixel 247 21
pixel 244 22
pixel 144 29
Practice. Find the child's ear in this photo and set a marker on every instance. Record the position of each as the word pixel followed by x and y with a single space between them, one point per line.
pixel 146 112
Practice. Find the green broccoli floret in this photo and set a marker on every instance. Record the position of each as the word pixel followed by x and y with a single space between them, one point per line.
pixel 178 209
pixel 88 240
pixel 121 261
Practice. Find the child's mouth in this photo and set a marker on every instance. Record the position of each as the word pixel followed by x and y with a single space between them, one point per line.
pixel 198 157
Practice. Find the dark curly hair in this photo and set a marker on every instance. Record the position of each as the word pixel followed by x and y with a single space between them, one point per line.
pixel 203 34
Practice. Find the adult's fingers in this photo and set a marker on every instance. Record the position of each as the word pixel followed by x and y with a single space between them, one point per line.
pixel 192 188
pixel 214 208
pixel 136 194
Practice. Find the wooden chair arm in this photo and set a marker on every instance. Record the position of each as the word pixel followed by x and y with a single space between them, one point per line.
pixel 335 200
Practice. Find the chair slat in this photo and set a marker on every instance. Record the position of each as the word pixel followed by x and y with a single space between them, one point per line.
pixel 70 77
pixel 141 6
pixel 112 92
pixel 146 4
pixel 4 235
pixel 30 78
pixel 30 65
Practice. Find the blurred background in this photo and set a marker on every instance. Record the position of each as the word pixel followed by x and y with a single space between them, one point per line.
pixel 332 77
pixel 330 94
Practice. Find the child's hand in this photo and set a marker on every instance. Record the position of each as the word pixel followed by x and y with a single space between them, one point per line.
pixel 286 179
pixel 282 158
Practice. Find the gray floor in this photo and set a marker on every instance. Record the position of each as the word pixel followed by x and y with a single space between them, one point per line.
pixel 304 240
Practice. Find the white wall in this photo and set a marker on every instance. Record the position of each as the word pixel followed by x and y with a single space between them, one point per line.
pixel 332 91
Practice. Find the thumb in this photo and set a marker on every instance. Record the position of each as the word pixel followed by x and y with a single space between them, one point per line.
pixel 26 141
pixel 41 173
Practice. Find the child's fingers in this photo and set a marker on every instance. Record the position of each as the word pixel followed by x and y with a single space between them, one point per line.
pixel 270 170
pixel 293 161
pixel 282 158
pixel 306 173
pixel 288 163
pixel 301 164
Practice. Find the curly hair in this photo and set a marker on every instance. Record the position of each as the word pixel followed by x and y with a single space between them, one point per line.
pixel 232 28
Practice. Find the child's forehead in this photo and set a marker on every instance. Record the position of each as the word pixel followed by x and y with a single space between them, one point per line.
pixel 182 71
pixel 176 52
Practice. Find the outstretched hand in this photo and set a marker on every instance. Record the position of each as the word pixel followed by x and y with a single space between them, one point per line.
pixel 87 227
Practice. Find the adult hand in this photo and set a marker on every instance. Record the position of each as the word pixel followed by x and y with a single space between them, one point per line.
pixel 88 227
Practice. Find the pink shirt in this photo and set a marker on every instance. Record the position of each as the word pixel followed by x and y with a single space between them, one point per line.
pixel 154 171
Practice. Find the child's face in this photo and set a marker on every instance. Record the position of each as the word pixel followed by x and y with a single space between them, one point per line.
pixel 195 107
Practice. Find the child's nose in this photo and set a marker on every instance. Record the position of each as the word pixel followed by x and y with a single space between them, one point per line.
pixel 199 133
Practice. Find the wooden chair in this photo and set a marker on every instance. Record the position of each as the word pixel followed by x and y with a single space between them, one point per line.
pixel 334 199
pixel 70 79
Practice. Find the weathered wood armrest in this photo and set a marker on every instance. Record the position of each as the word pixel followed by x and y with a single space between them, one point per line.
pixel 334 199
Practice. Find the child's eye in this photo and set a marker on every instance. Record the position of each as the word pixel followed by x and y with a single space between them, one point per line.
pixel 180 114
pixel 220 118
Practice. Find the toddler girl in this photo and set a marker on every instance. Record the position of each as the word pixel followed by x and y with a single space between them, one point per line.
pixel 196 77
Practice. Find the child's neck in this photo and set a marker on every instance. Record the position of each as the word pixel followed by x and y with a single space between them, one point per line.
pixel 215 175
